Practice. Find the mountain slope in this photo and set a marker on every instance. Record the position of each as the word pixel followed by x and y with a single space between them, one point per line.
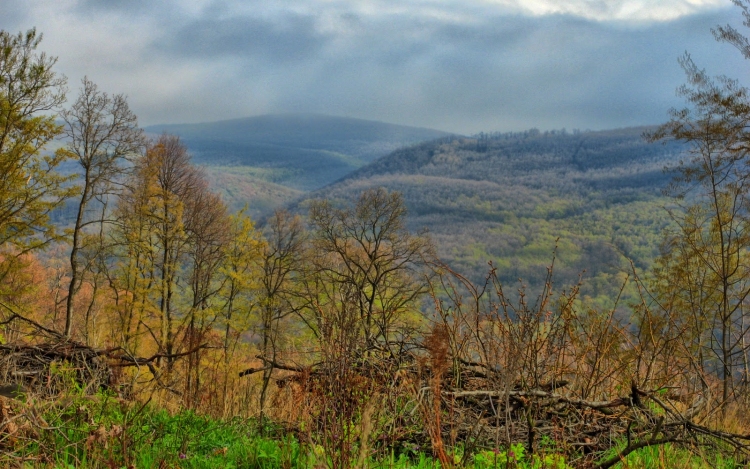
pixel 299 151
pixel 507 198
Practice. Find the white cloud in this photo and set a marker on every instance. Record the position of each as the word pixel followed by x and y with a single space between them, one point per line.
pixel 624 10
pixel 598 10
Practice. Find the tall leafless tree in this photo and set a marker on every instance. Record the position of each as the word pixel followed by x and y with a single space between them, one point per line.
pixel 102 133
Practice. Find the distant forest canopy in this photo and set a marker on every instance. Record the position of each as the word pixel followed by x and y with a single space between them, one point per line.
pixel 508 197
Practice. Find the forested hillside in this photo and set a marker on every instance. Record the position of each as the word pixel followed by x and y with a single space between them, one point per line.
pixel 265 161
pixel 506 198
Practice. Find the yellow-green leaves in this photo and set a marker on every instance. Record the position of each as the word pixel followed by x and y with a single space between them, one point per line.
pixel 30 187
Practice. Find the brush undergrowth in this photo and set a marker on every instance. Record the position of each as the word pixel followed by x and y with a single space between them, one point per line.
pixel 104 432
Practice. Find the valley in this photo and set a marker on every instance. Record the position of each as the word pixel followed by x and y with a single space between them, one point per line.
pixel 283 155
pixel 505 198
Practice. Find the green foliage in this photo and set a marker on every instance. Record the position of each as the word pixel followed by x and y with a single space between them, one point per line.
pixel 30 187
pixel 516 457
pixel 669 455
pixel 103 431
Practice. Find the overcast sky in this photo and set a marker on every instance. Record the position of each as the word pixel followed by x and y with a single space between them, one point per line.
pixel 456 65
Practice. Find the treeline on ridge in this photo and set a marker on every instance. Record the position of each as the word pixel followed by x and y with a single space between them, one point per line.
pixel 511 198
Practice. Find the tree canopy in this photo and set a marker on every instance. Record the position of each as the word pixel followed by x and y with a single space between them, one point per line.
pixel 30 186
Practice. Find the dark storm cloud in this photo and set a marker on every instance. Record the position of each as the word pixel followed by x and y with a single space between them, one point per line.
pixel 463 66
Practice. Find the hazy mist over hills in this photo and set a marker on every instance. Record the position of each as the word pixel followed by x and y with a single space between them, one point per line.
pixel 364 140
pixel 460 67
pixel 506 198
pixel 269 161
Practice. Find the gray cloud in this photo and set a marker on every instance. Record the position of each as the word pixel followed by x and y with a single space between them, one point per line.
pixel 456 66
pixel 12 12
pixel 292 37
pixel 119 6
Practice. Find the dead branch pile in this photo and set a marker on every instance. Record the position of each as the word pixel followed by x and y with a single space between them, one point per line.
pixel 48 364
pixel 493 373
pixel 53 367
pixel 585 429
pixel 483 415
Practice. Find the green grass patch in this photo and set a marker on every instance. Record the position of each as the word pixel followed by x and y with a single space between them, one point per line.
pixel 669 456
pixel 104 432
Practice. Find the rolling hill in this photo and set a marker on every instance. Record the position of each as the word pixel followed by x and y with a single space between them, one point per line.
pixel 288 153
pixel 510 198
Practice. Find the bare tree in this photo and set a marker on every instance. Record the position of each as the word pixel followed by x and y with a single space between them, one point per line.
pixel 162 184
pixel 705 269
pixel 281 264
pixel 102 133
pixel 207 226
pixel 366 251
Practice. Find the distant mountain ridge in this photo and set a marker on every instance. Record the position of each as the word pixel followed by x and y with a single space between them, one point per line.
pixel 298 151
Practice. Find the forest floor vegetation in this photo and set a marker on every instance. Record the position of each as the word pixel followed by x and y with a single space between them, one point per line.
pixel 104 431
